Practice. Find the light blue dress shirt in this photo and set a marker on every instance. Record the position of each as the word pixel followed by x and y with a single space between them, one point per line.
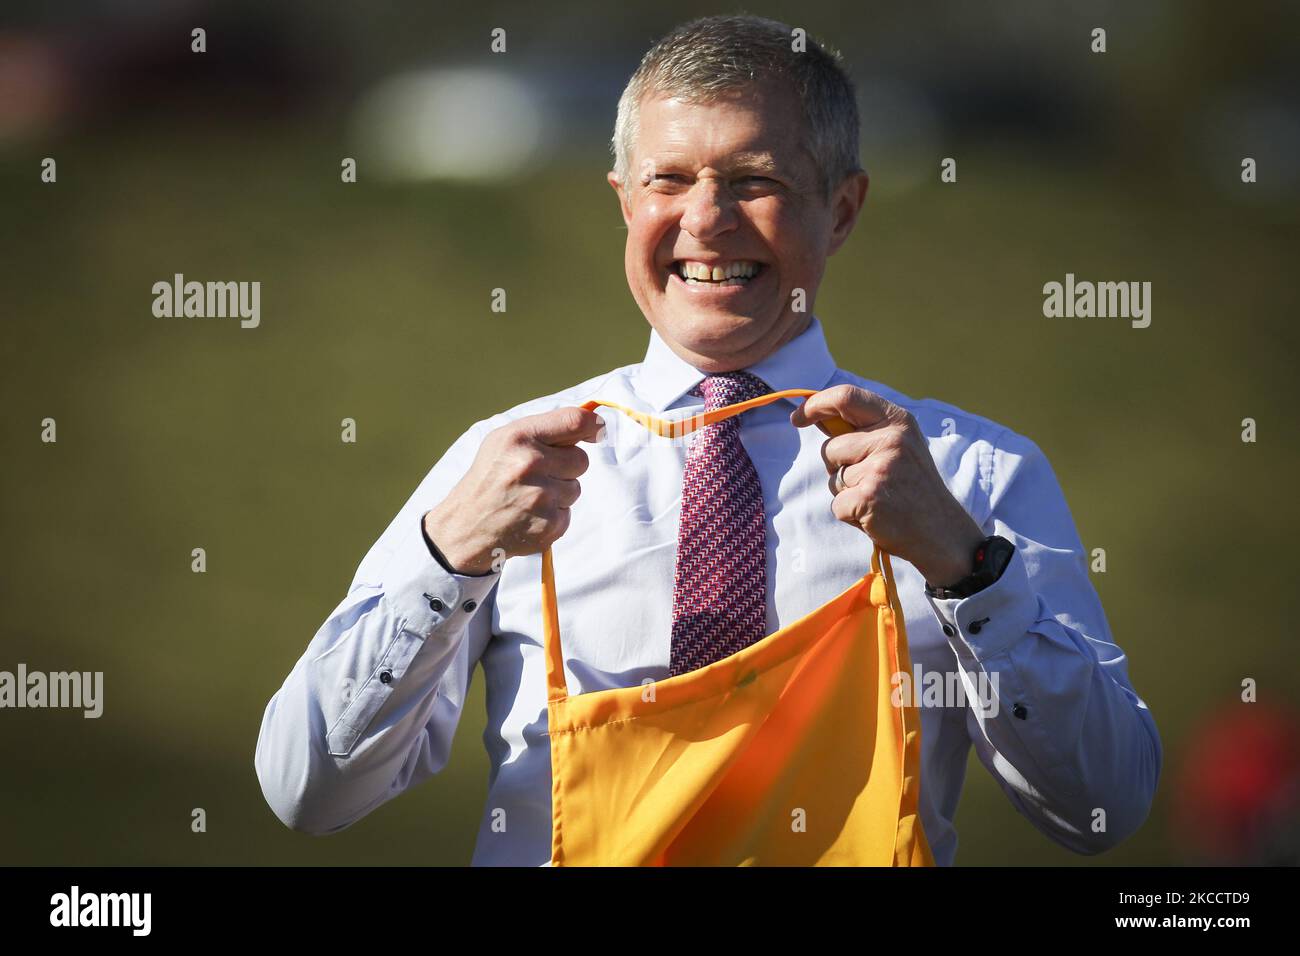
pixel 370 708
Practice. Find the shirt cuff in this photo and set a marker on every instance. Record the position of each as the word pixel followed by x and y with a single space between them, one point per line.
pixel 424 593
pixel 988 622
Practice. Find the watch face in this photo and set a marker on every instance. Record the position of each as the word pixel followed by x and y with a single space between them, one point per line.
pixel 1001 550
pixel 991 558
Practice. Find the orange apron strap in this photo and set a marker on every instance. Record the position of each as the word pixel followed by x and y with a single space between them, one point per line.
pixel 909 741
pixel 556 686
pixel 880 565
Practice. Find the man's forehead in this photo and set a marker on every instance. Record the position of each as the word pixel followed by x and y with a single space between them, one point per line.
pixel 677 131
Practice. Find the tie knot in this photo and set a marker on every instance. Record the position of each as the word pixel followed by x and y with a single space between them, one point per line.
pixel 728 388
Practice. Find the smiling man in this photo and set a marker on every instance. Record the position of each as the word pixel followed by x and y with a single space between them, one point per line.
pixel 737 173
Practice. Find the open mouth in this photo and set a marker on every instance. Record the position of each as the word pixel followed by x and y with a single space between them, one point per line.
pixel 739 272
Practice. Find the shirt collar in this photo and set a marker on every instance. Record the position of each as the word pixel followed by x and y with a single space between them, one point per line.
pixel 803 362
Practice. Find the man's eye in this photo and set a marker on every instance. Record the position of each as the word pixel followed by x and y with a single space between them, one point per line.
pixel 675 179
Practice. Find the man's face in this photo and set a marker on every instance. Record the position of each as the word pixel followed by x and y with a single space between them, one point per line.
pixel 729 186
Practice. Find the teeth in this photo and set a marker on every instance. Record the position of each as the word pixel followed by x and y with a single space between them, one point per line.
pixel 740 269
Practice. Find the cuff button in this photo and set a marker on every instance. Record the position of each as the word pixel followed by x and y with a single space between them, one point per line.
pixel 469 605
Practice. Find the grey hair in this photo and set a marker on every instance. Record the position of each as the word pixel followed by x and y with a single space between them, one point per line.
pixel 706 59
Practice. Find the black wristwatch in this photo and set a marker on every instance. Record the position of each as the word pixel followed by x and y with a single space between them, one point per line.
pixel 991 558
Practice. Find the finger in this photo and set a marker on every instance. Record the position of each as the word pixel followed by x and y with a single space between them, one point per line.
pixel 548 526
pixel 852 475
pixel 852 506
pixel 563 426
pixel 852 448
pixel 556 528
pixel 566 491
pixel 857 406
pixel 565 461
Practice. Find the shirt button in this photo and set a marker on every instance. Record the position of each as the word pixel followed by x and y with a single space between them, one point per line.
pixel 385 677
pixel 947 629
pixel 469 605
pixel 977 626
pixel 1020 711
pixel 435 603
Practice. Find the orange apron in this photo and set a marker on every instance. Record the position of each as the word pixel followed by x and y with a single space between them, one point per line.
pixel 789 752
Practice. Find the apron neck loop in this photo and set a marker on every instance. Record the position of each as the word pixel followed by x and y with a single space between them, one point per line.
pixel 556 686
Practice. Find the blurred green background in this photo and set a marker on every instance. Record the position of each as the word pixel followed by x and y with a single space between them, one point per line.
pixel 183 433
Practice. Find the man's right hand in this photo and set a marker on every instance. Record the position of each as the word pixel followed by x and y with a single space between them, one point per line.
pixel 515 498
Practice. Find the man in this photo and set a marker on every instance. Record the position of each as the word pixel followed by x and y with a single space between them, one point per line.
pixel 737 174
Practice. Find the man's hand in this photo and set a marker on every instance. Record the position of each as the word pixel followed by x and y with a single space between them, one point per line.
pixel 515 498
pixel 892 490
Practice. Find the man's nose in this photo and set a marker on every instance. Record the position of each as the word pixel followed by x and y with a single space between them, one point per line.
pixel 710 209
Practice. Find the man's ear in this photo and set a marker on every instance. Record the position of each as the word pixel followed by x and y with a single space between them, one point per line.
pixel 846 203
pixel 612 178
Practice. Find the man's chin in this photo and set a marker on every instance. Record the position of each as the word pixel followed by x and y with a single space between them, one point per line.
pixel 712 335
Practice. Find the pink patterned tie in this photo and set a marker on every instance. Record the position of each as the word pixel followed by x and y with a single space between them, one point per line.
pixel 720 580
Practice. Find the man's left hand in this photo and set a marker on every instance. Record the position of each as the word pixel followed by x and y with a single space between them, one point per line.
pixel 892 489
